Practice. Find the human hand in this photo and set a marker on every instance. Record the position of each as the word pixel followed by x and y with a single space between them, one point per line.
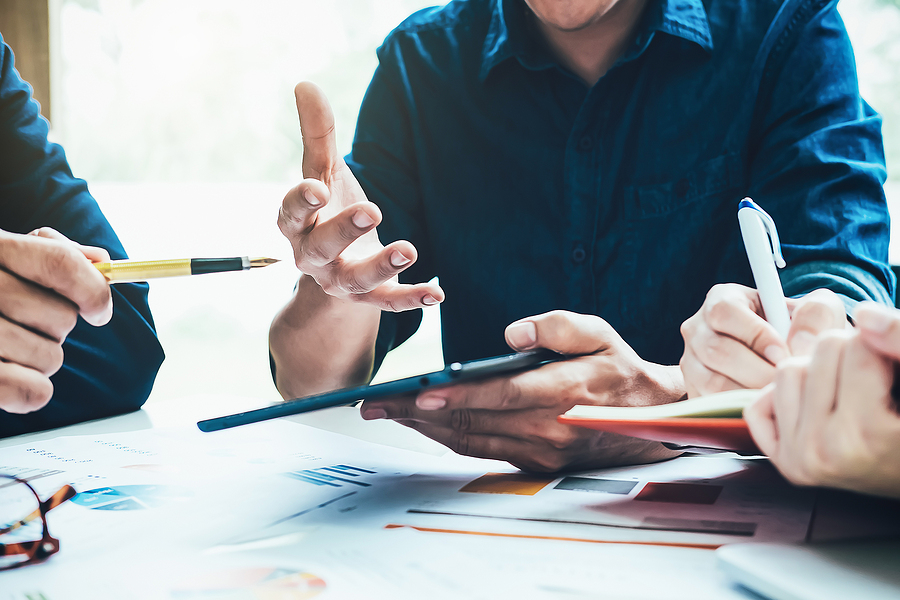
pixel 513 418
pixel 728 344
pixel 46 281
pixel 331 224
pixel 830 418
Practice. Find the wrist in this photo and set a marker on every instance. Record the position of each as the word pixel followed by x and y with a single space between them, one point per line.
pixel 666 383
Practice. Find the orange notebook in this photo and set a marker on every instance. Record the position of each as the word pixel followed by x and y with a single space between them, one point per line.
pixel 712 421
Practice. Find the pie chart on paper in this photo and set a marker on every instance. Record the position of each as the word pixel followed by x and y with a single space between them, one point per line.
pixel 131 497
pixel 253 583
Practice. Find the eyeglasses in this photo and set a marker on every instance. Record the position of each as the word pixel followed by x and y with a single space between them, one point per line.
pixel 24 537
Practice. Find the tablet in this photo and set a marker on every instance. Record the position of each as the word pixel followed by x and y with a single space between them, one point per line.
pixel 452 374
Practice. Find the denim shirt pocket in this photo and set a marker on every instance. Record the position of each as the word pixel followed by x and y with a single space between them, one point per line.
pixel 678 232
pixel 708 179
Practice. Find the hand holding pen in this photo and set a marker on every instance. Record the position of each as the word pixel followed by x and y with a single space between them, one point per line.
pixel 739 334
pixel 46 282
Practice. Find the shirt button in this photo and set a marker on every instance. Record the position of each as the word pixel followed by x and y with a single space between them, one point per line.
pixel 578 254
pixel 682 187
pixel 585 143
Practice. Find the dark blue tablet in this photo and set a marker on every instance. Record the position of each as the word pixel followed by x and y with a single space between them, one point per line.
pixel 454 373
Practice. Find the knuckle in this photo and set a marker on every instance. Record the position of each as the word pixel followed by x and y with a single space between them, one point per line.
pixel 329 287
pixel 459 442
pixel 558 322
pixel 462 420
pixel 37 395
pixel 561 438
pixel 510 395
pixel 68 320
pixel 353 284
pixel 99 297
pixel 384 269
pixel 55 359
pixel 814 314
pixel 287 220
pixel 313 255
pixel 19 395
pixel 688 327
pixel 390 305
pixel 714 350
pixel 719 313
pixel 397 410
pixel 549 462
pixel 59 261
pixel 346 230
pixel 719 290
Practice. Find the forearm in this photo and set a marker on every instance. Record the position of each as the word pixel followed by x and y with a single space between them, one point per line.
pixel 850 282
pixel 320 343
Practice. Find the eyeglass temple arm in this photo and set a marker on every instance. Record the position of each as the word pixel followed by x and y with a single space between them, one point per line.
pixel 61 495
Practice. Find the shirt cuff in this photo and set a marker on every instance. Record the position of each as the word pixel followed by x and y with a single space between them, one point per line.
pixel 850 282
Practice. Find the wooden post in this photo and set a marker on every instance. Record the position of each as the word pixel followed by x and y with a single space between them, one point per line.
pixel 25 25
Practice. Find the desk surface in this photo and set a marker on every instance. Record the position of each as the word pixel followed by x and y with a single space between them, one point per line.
pixel 426 563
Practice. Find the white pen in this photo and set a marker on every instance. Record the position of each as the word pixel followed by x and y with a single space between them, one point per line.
pixel 764 252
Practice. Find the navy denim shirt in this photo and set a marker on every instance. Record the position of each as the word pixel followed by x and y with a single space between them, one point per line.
pixel 526 191
pixel 107 370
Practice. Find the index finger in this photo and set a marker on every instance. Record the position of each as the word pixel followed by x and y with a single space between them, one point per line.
pixel 301 205
pixel 739 318
pixel 59 265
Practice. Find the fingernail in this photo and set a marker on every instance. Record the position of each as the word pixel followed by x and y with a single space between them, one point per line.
pixel 311 198
pixel 428 300
pixel 398 260
pixel 431 402
pixel 874 317
pixel 775 354
pixel 373 414
pixel 522 335
pixel 802 343
pixel 362 220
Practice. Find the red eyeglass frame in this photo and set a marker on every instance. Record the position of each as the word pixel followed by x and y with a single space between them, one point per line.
pixel 45 547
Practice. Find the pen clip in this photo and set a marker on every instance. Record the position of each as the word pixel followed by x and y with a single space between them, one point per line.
pixel 769 225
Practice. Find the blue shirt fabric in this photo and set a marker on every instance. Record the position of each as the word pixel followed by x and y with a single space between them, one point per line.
pixel 107 370
pixel 525 190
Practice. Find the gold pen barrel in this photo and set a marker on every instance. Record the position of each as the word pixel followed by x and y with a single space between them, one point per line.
pixel 124 271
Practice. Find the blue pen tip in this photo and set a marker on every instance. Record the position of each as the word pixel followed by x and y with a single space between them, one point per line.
pixel 747 203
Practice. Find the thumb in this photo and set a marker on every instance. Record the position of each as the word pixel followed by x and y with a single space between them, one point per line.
pixel 317 129
pixel 562 331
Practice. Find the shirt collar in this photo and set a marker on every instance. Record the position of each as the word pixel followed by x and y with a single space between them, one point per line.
pixel 511 35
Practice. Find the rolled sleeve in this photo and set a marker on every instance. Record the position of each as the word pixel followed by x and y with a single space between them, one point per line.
pixel 818 166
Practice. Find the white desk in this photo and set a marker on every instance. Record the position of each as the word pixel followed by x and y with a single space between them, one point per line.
pixel 352 558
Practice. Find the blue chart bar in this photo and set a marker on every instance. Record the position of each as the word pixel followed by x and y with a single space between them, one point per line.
pixel 348 469
pixel 325 476
pixel 303 477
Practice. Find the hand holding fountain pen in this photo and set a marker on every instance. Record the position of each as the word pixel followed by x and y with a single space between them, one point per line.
pixel 124 271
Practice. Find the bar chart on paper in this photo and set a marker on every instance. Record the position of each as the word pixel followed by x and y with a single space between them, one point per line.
pixel 334 476
pixel 131 497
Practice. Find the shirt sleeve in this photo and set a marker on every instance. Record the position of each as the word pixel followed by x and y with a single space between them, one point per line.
pixel 383 160
pixel 107 370
pixel 818 165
